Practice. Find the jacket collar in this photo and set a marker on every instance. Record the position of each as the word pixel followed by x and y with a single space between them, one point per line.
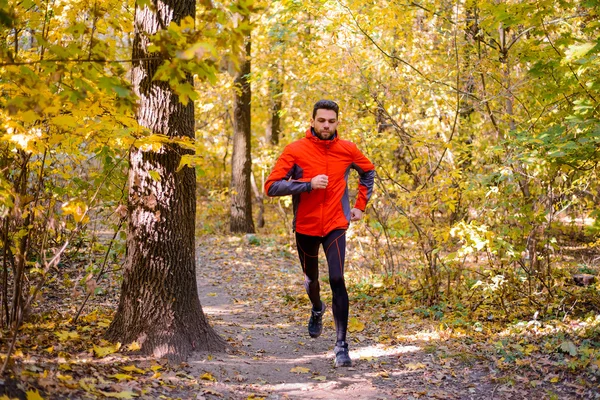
pixel 311 135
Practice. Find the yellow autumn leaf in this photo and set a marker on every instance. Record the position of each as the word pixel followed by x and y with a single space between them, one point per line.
pixel 65 367
pixel 211 294
pixel 208 377
pixel 354 325
pixel 66 121
pixel 156 367
pixel 66 335
pixel 134 346
pixel 121 377
pixel 88 387
pixel 133 368
pixel 319 378
pixel 554 379
pixel 104 351
pixel 64 378
pixel 530 348
pixel 126 394
pixel 77 209
pixel 145 147
pixel 300 370
pixel 34 395
pixel 415 366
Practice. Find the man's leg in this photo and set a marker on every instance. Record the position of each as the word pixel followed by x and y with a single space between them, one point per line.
pixel 308 251
pixel 335 251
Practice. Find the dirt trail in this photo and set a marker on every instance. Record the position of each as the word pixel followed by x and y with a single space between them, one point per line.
pixel 242 290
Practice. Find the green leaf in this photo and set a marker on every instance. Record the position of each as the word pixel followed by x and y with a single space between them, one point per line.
pixel 569 347
pixel 577 51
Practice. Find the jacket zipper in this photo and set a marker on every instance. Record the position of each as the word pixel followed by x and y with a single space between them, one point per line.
pixel 325 191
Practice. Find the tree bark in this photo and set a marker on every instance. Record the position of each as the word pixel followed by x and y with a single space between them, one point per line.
pixel 241 161
pixel 159 306
pixel 275 95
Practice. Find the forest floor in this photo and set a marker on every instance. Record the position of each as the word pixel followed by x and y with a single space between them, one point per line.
pixel 254 297
pixel 251 289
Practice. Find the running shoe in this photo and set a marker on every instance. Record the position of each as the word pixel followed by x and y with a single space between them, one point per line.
pixel 342 358
pixel 315 323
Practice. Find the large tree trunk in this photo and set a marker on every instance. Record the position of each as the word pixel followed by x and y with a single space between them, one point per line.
pixel 241 161
pixel 159 306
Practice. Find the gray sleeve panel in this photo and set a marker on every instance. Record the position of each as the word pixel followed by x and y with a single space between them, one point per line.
pixel 283 188
pixel 289 184
pixel 367 179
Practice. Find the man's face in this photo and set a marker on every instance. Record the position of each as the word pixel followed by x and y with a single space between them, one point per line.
pixel 325 123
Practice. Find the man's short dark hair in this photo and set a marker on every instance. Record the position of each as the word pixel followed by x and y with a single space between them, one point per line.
pixel 326 105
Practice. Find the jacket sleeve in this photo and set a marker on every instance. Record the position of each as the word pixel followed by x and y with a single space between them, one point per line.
pixel 286 177
pixel 366 172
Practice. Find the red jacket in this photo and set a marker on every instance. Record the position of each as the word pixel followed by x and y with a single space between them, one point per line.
pixel 318 212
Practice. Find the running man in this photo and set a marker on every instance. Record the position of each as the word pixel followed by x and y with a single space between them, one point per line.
pixel 314 170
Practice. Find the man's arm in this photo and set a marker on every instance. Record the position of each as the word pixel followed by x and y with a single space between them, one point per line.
pixel 279 182
pixel 366 172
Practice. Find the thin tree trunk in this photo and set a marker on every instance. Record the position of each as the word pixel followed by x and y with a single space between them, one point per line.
pixel 258 194
pixel 275 95
pixel 159 306
pixel 241 161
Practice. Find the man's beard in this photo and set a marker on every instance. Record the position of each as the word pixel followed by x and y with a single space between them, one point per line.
pixel 320 135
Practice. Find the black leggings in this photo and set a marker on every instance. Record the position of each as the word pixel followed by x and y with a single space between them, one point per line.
pixel 334 245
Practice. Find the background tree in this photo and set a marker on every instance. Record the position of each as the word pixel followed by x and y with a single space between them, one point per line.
pixel 159 306
pixel 241 160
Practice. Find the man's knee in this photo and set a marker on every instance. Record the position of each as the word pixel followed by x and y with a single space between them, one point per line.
pixel 337 281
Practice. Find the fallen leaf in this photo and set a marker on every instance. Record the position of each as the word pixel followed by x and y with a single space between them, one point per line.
pixel 34 395
pixel 319 378
pixel 104 351
pixel 64 378
pixel 134 346
pixel 530 348
pixel 66 335
pixel 119 395
pixel 415 366
pixel 354 325
pixel 300 370
pixel 88 387
pixel 569 347
pixel 208 377
pixel 133 368
pixel 121 377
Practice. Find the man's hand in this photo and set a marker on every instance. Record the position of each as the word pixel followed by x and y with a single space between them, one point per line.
pixel 355 214
pixel 319 182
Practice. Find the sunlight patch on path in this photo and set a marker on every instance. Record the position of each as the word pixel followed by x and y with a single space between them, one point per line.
pixel 377 350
